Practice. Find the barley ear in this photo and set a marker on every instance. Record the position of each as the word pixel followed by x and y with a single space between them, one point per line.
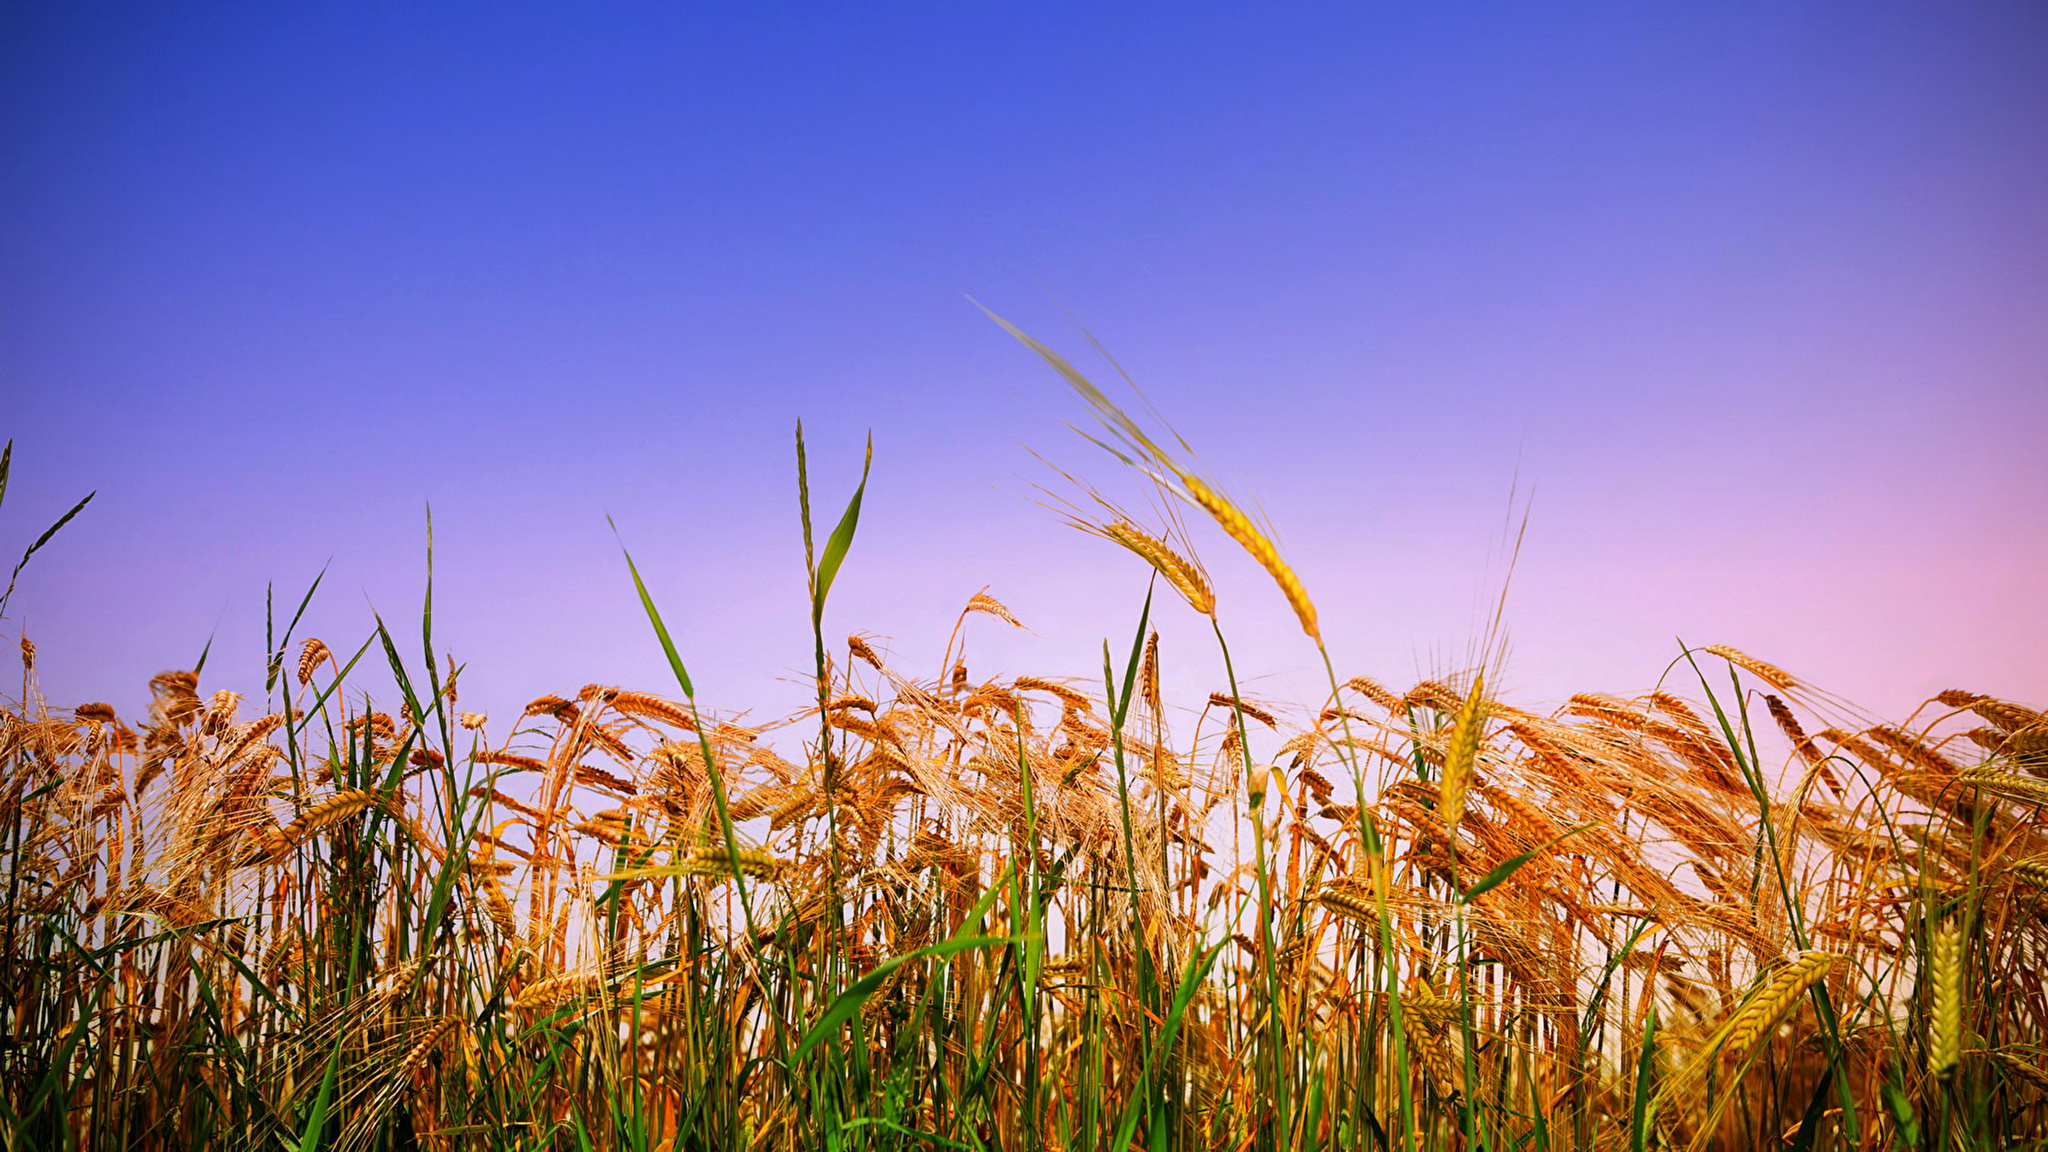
pixel 1239 527
pixel 1461 752
pixel 1770 1002
pixel 1945 1027
pixel 1185 577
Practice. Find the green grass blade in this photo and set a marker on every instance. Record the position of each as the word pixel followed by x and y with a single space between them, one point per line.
pixel 199 665
pixel 1183 996
pixel 316 1120
pixel 849 1001
pixel 668 646
pixel 1513 864
pixel 1598 999
pixel 1907 1134
pixel 52 530
pixel 841 539
pixel 1642 1114
pixel 427 614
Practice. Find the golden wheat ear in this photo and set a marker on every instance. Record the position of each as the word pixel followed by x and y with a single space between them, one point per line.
pixel 1240 527
pixel 1177 476
pixel 1184 576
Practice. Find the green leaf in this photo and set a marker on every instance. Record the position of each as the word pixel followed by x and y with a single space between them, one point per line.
pixel 1816 1108
pixel 1512 865
pixel 427 615
pixel 277 656
pixel 42 540
pixel 959 940
pixel 1190 983
pixel 1600 986
pixel 1122 700
pixel 918 1134
pixel 316 1121
pixel 200 665
pixel 1642 1114
pixel 1902 1111
pixel 857 994
pixel 668 646
pixel 841 538
pixel 399 674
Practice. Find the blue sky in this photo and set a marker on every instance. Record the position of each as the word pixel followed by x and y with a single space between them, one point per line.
pixel 1754 298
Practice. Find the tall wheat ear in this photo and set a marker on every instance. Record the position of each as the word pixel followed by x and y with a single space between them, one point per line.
pixel 1175 474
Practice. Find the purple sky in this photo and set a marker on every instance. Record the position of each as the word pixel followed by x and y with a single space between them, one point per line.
pixel 1755 298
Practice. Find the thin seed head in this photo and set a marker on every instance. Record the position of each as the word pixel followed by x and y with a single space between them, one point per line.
pixel 1148 675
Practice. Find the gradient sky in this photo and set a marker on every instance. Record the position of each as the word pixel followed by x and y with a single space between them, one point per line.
pixel 1754 299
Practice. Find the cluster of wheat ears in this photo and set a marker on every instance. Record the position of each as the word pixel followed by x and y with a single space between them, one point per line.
pixel 1021 913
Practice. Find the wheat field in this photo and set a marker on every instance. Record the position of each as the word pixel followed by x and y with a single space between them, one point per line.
pixel 985 910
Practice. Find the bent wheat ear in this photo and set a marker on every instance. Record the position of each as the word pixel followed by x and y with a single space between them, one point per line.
pixel 1143 452
pixel 1227 702
pixel 2009 785
pixel 1770 674
pixel 343 804
pixel 545 994
pixel 983 602
pixel 1769 1003
pixel 1435 1061
pixel 312 654
pixel 1186 578
pixel 2033 870
pixel 1239 527
pixel 1350 900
